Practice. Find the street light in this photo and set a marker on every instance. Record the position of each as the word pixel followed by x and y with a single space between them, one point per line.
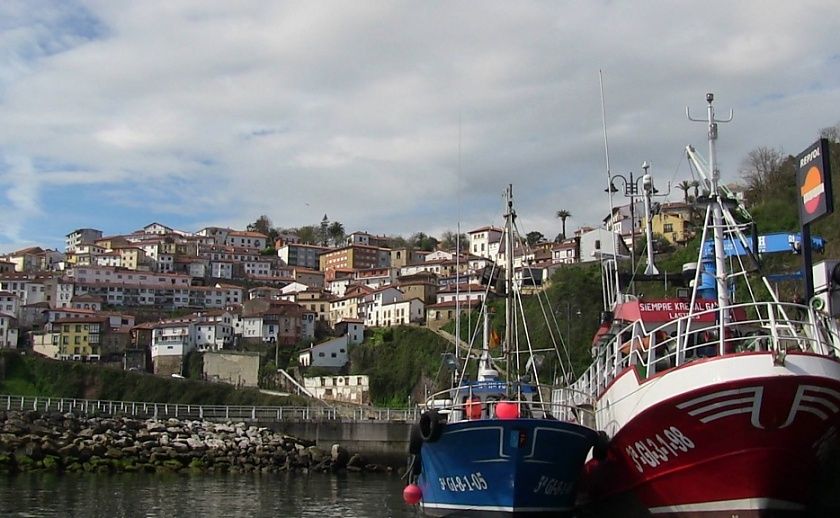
pixel 631 190
pixel 646 192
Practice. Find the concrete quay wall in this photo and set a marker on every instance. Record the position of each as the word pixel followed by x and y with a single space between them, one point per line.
pixel 380 442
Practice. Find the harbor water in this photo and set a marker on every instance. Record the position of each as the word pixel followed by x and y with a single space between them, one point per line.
pixel 276 496
pixel 315 495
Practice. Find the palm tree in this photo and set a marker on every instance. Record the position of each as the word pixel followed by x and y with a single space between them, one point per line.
pixel 563 214
pixel 684 186
pixel 696 185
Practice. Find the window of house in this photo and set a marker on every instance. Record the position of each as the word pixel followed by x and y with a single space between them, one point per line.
pixel 321 355
pixel 597 244
pixel 668 227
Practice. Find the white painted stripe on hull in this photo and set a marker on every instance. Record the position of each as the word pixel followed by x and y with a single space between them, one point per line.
pixel 730 505
pixel 496 508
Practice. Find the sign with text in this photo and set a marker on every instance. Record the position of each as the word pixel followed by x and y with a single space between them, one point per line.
pixel 813 180
pixel 670 309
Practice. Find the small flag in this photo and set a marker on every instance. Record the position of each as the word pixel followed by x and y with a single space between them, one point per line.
pixel 494 338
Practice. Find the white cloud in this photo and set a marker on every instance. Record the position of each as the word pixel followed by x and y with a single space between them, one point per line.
pixel 259 107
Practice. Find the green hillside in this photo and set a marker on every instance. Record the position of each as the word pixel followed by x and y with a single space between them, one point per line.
pixel 396 359
pixel 31 375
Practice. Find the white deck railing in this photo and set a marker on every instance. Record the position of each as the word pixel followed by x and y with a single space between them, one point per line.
pixel 147 410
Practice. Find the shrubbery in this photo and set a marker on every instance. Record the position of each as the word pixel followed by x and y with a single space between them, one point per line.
pixel 35 376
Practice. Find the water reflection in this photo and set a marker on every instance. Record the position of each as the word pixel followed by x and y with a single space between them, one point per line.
pixel 314 495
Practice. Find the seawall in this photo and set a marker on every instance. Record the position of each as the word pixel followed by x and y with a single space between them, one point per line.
pixel 380 442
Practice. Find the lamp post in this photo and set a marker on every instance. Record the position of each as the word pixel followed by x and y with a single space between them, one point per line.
pixel 631 190
pixel 647 191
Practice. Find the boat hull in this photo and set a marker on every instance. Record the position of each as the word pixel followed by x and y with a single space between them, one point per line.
pixel 503 467
pixel 745 446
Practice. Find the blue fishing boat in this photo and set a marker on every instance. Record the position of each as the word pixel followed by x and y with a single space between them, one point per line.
pixel 492 446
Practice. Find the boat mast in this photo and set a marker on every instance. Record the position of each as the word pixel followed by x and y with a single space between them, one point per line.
pixel 717 211
pixel 510 216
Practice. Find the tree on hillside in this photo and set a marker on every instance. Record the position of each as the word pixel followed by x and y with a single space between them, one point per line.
pixel 684 186
pixel 308 234
pixel 563 214
pixel 762 170
pixel 263 226
pixel 336 233
pixel 425 242
pixel 534 237
pixel 449 240
pixel 832 133
pixel 396 242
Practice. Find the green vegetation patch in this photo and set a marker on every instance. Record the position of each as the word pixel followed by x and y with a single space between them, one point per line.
pixel 395 359
pixel 35 376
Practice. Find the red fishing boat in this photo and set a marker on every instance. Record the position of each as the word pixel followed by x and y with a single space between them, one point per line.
pixel 712 407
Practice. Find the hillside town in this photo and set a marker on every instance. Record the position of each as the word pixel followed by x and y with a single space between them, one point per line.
pixel 146 299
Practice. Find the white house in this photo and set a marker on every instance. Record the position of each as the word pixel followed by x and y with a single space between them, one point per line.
pixel 80 237
pixel 331 354
pixel 353 328
pixel 352 389
pixel 221 269
pixel 212 331
pixel 398 312
pixel 246 239
pixel 565 252
pixel 484 241
pixel 293 288
pixel 338 287
pixel 461 293
pixel 257 268
pixel 440 255
pixel 8 331
pixel 165 262
pixel 157 228
pixel 9 303
pixel 597 242
pixel 371 307
pixel 171 340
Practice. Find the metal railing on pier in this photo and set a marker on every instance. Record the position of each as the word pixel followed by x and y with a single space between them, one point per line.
pixel 147 410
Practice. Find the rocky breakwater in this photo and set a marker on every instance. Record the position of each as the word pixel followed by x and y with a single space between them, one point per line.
pixel 35 441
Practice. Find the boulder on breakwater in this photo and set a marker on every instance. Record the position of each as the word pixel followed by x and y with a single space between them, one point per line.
pixel 33 441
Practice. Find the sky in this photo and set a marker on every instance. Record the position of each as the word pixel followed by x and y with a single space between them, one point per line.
pixel 391 117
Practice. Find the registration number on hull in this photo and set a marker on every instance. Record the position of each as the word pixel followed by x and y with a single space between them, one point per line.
pixel 460 483
pixel 659 449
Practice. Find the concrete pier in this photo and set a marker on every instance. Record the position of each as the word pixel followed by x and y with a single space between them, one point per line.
pixel 380 442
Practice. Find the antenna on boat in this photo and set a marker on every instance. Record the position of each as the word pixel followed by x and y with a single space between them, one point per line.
pixel 649 192
pixel 608 295
pixel 716 206
pixel 458 250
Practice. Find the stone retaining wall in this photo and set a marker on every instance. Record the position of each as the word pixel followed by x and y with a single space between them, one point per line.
pixel 37 441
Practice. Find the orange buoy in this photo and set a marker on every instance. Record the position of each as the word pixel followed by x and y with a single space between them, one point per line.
pixel 412 494
pixel 507 410
pixel 473 408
